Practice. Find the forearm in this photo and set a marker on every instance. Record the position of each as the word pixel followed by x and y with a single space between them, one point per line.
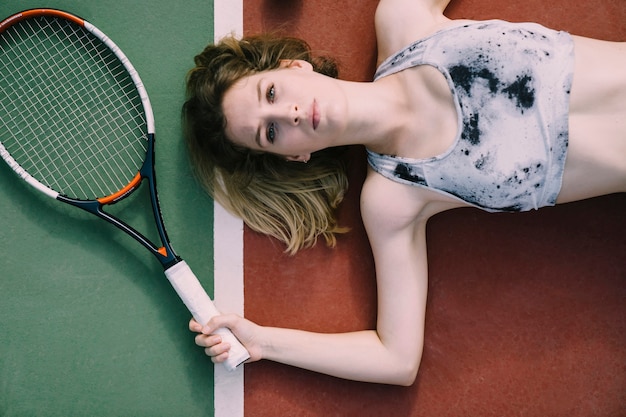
pixel 360 356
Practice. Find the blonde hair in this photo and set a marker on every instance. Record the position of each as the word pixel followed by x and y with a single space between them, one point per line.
pixel 290 201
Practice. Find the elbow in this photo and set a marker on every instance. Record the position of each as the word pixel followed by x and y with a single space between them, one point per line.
pixel 408 365
pixel 402 364
pixel 407 376
pixel 405 372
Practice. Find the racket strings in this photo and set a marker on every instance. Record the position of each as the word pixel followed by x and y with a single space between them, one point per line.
pixel 70 113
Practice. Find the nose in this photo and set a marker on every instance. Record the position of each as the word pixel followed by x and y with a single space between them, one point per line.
pixel 293 114
pixel 290 114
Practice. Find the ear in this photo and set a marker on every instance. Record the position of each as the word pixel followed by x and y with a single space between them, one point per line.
pixel 296 63
pixel 299 158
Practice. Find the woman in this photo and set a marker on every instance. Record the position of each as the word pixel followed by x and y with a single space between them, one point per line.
pixel 499 116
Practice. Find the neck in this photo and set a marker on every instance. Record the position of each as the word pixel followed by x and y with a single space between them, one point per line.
pixel 376 112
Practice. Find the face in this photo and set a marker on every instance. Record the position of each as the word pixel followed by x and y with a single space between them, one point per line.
pixel 291 111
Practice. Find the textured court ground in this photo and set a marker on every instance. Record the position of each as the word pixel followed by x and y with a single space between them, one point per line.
pixel 526 313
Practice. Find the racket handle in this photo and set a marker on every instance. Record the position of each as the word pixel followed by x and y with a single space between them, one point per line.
pixel 202 308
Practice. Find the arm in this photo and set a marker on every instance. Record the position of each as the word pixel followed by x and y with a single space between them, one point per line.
pixel 391 353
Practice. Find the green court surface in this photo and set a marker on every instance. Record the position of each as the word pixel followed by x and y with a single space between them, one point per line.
pixel 89 324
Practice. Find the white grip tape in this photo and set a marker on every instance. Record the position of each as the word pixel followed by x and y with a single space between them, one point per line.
pixel 202 308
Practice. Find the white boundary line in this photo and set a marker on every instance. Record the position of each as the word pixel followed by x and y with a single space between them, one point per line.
pixel 228 246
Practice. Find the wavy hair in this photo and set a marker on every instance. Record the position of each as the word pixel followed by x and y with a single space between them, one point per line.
pixel 292 202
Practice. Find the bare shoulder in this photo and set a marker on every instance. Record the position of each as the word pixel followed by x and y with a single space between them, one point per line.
pixel 388 207
pixel 400 22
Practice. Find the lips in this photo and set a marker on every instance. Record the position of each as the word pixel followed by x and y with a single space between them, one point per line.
pixel 315 115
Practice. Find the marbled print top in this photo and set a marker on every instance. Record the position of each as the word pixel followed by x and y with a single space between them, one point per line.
pixel 511 84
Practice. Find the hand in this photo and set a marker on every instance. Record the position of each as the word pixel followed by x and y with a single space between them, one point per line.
pixel 244 330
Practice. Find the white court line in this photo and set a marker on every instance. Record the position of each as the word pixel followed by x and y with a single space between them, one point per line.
pixel 228 246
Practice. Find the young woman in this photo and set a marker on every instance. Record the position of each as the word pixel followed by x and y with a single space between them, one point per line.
pixel 500 116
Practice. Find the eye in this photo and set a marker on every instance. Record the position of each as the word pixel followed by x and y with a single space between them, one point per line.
pixel 270 134
pixel 270 94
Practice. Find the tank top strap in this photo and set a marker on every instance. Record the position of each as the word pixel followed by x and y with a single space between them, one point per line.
pixel 409 57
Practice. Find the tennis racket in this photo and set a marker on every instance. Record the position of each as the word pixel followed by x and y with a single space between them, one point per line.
pixel 76 124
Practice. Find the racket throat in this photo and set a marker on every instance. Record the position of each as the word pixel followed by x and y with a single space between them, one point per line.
pixel 165 254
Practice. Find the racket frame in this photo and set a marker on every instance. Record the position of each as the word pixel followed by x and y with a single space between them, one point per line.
pixel 180 276
pixel 165 254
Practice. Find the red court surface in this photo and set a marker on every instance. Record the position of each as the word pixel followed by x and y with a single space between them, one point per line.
pixel 526 313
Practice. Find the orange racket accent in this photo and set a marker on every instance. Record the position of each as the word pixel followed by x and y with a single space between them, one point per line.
pixel 121 193
pixel 52 12
pixel 162 251
pixel 39 12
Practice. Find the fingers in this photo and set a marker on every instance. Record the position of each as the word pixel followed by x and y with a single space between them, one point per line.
pixel 214 347
pixel 208 341
pixel 208 328
pixel 194 326
pixel 227 320
pixel 206 337
pixel 219 358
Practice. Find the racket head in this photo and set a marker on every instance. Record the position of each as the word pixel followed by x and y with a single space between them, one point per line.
pixel 75 118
